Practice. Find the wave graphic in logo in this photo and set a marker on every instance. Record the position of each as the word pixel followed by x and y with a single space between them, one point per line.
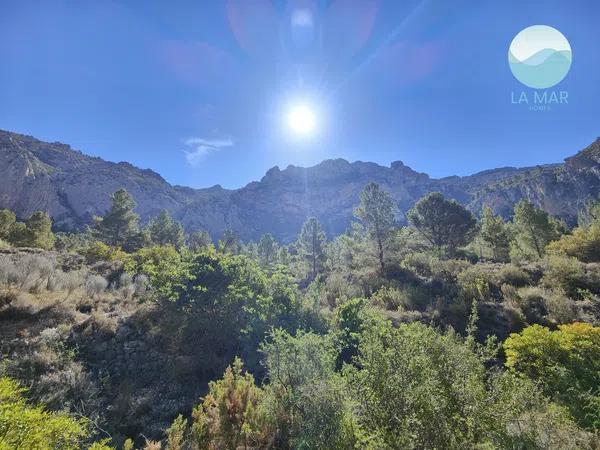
pixel 540 56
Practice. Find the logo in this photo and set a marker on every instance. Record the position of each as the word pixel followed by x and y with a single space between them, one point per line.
pixel 540 57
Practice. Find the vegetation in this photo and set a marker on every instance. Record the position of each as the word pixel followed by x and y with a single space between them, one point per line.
pixel 444 223
pixel 445 333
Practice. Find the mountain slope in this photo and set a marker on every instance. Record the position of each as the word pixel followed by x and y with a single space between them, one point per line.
pixel 74 187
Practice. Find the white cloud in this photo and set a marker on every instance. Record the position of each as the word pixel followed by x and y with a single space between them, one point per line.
pixel 200 147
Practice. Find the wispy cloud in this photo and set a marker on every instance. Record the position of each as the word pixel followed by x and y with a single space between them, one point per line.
pixel 200 147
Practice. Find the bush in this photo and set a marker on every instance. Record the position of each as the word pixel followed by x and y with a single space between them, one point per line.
pixel 478 283
pixel 565 362
pixel 583 244
pixel 566 273
pixel 513 275
pixel 95 285
pixel 416 388
pixel 99 251
pixel 404 298
pixel 32 427
pixel 419 263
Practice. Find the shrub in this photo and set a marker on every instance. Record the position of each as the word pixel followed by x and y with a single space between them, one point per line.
pixel 583 244
pixel 404 298
pixel 566 273
pixel 229 416
pixel 478 283
pixel 162 265
pixel 545 306
pixel 32 427
pixel 417 388
pixel 141 284
pixel 99 251
pixel 565 362
pixel 419 263
pixel 95 285
pixel 513 275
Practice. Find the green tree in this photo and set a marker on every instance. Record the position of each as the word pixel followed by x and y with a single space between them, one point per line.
pixel 18 235
pixel 495 233
pixel 442 222
pixel 199 240
pixel 39 231
pixel 311 245
pixel 305 398
pixel 565 362
pixel 120 224
pixel 417 388
pixel 376 210
pixel 164 267
pixel 229 242
pixel 267 248
pixel 7 220
pixel 534 229
pixel 230 416
pixel 164 230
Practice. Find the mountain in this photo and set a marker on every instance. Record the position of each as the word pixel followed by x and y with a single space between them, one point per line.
pixel 73 187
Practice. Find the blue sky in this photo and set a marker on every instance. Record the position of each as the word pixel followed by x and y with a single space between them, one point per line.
pixel 198 90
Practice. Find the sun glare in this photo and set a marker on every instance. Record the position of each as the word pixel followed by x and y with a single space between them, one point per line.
pixel 301 120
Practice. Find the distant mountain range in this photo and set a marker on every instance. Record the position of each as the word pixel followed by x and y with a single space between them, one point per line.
pixel 73 187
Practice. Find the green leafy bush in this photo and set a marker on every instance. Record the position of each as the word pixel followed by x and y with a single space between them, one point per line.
pixel 565 362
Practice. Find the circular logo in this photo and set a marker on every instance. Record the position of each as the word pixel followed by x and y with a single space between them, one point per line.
pixel 539 56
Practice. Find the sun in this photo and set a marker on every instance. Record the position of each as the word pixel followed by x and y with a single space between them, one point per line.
pixel 301 120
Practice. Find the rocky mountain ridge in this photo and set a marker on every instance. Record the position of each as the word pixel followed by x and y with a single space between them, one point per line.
pixel 73 187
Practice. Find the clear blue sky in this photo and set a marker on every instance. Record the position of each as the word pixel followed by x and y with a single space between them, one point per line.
pixel 197 90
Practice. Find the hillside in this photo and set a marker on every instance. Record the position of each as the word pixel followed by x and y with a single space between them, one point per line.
pixel 73 187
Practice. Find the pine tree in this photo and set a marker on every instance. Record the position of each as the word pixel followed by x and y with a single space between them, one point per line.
pixel 311 245
pixel 376 211
pixel 120 224
pixel 442 222
pixel 164 230
pixel 534 228
pixel 7 220
pixel 39 231
pixel 495 233
pixel 267 248
pixel 199 240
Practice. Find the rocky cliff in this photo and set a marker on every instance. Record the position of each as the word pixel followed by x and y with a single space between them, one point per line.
pixel 74 187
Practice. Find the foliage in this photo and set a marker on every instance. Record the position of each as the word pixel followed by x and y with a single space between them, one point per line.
pixel 35 232
pixel 39 230
pixel 99 251
pixel 311 245
pixel 199 240
pixel 565 362
pixel 444 223
pixel 119 226
pixel 583 244
pixel 163 230
pixel 230 415
pixel 164 267
pixel 267 249
pixel 305 398
pixel 565 273
pixel 446 400
pixel 534 229
pixel 376 211
pixel 32 427
pixel 496 234
pixel 7 220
